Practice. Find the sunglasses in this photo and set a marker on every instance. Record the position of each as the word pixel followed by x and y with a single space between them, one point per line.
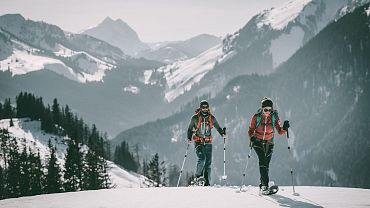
pixel 267 110
pixel 204 107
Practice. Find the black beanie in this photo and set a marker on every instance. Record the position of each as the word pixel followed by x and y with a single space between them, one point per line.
pixel 203 102
pixel 266 102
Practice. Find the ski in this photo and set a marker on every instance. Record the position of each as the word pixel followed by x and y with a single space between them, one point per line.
pixel 270 191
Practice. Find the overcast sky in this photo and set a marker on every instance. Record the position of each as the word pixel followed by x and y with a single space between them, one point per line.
pixel 153 20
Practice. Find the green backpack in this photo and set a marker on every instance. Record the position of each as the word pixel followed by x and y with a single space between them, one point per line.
pixel 274 114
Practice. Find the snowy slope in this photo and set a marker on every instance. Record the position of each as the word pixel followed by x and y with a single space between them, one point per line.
pixel 182 75
pixel 207 197
pixel 29 134
pixel 32 46
pixel 279 18
pixel 25 59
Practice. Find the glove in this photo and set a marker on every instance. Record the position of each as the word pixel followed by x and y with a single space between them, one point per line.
pixel 286 125
pixel 223 133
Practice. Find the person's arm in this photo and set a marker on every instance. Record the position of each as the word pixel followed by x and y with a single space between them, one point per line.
pixel 217 126
pixel 278 126
pixel 252 126
pixel 191 127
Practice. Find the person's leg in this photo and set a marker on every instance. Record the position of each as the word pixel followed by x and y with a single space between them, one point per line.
pixel 259 149
pixel 199 150
pixel 268 152
pixel 208 162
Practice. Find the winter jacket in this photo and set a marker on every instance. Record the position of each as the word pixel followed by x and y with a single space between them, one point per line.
pixel 265 130
pixel 204 130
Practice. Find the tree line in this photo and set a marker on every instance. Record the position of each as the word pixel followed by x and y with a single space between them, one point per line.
pixel 159 172
pixel 23 173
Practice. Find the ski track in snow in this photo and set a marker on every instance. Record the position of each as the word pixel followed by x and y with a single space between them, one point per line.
pixel 200 197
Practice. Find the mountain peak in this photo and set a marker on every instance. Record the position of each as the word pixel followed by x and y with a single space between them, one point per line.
pixel 108 20
pixel 118 33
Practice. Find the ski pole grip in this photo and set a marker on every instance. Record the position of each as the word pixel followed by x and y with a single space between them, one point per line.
pixel 287 133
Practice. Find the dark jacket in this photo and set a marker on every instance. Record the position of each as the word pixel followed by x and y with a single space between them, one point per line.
pixel 204 129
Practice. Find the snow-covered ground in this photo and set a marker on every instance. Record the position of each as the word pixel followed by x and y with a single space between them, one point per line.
pixel 199 197
pixel 29 134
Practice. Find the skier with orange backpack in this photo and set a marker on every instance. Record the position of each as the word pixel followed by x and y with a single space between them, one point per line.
pixel 199 131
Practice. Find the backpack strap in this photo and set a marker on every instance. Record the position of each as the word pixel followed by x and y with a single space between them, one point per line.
pixel 274 114
pixel 209 120
pixel 259 117
pixel 198 125
pixel 273 118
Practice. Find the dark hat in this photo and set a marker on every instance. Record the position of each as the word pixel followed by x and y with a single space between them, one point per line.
pixel 266 102
pixel 203 102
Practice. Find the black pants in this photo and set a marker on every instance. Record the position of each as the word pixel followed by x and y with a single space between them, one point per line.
pixel 264 153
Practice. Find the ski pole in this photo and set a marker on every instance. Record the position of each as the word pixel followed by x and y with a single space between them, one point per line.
pixel 291 168
pixel 183 163
pixel 224 177
pixel 245 169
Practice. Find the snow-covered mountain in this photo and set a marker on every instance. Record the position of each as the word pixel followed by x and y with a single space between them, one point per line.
pixel 118 33
pixel 97 79
pixel 323 89
pixel 27 46
pixel 30 135
pixel 32 46
pixel 181 50
pixel 266 41
pixel 197 197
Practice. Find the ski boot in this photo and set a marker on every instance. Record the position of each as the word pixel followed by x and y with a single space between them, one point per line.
pixel 198 181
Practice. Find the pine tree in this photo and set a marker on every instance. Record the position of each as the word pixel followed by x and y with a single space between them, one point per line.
pixel 11 122
pixel 7 109
pixel 173 175
pixel 56 114
pixel 163 174
pixel 47 120
pixel 14 170
pixel 1 111
pixel 154 170
pixel 124 158
pixel 105 178
pixel 25 168
pixel 53 177
pixel 2 183
pixel 91 174
pixel 37 176
pixel 145 168
pixel 20 105
pixel 73 167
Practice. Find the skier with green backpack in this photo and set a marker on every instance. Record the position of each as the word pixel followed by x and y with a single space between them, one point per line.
pixel 261 133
